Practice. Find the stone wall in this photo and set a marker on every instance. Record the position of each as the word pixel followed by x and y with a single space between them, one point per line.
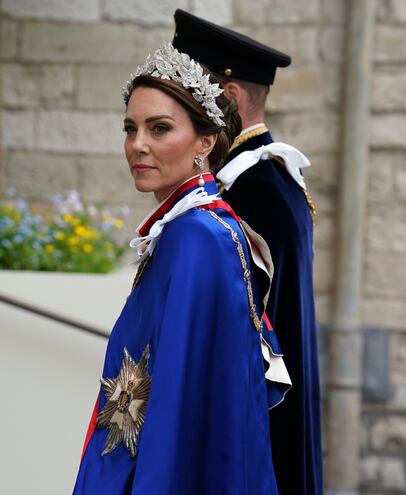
pixel 63 64
pixel 384 288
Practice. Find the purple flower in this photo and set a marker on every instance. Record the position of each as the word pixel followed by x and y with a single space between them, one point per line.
pixel 21 204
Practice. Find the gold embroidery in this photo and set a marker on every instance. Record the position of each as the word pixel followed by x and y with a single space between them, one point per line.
pixel 246 272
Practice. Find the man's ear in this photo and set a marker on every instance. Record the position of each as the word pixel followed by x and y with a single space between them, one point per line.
pixel 233 91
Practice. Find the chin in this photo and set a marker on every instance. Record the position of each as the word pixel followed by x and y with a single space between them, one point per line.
pixel 143 186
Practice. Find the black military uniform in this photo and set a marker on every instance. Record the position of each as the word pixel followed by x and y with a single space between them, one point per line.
pixel 277 206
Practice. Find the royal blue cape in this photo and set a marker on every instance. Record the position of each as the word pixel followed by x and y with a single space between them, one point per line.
pixel 206 429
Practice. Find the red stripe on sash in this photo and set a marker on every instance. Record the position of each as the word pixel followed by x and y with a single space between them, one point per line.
pixel 221 204
pixel 91 427
pixel 267 322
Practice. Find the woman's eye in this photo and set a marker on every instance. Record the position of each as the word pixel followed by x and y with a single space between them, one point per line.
pixel 160 129
pixel 129 129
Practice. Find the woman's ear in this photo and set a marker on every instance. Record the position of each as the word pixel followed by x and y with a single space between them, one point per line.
pixel 206 144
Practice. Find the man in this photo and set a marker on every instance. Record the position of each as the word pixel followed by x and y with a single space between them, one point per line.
pixel 264 185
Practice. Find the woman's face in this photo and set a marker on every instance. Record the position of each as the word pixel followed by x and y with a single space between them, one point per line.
pixel 161 143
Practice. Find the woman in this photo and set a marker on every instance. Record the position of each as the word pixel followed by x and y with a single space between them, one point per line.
pixel 183 404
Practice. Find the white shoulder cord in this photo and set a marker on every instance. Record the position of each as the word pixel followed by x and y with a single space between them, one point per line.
pixel 293 159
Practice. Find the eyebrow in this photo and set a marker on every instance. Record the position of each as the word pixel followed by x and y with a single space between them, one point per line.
pixel 158 117
pixel 150 119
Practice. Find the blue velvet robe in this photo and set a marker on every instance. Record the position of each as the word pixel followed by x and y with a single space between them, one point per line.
pixel 274 205
pixel 206 429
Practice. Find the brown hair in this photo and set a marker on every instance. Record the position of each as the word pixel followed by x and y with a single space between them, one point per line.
pixel 257 93
pixel 202 124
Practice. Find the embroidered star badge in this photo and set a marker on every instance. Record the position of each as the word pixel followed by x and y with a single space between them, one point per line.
pixel 127 396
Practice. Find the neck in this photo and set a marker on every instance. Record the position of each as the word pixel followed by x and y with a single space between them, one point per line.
pixel 162 195
pixel 249 120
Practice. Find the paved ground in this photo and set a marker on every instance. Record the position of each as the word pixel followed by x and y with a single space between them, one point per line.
pixel 50 374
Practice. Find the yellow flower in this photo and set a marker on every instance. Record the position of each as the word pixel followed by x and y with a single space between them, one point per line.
pixel 85 232
pixel 93 234
pixel 67 218
pixel 118 223
pixel 11 211
pixel 80 231
pixel 49 248
pixel 107 219
pixel 108 246
pixel 89 234
pixel 71 219
pixel 73 241
pixel 60 236
pixel 87 248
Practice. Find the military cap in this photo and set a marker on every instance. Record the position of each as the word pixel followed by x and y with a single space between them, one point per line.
pixel 226 52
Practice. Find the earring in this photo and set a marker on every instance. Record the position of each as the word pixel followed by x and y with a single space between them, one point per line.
pixel 199 161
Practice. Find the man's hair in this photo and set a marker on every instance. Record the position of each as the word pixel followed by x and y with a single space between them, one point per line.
pixel 257 93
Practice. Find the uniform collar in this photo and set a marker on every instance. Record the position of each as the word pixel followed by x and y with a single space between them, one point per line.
pixel 179 193
pixel 250 144
pixel 254 127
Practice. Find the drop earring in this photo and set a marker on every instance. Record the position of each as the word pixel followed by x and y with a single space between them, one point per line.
pixel 199 161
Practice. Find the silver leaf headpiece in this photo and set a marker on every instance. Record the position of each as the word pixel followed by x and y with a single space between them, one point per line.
pixel 168 63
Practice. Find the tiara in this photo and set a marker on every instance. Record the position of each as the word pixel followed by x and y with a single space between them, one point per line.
pixel 168 63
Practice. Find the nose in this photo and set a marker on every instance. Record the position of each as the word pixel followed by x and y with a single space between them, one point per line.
pixel 140 142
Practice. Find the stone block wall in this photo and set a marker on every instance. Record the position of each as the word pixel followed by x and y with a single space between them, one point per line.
pixel 384 288
pixel 62 67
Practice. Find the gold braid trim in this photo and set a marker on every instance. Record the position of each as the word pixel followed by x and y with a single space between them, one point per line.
pixel 248 135
pixel 247 274
pixel 140 272
pixel 311 204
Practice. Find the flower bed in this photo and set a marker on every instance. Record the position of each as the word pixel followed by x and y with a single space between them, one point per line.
pixel 71 238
